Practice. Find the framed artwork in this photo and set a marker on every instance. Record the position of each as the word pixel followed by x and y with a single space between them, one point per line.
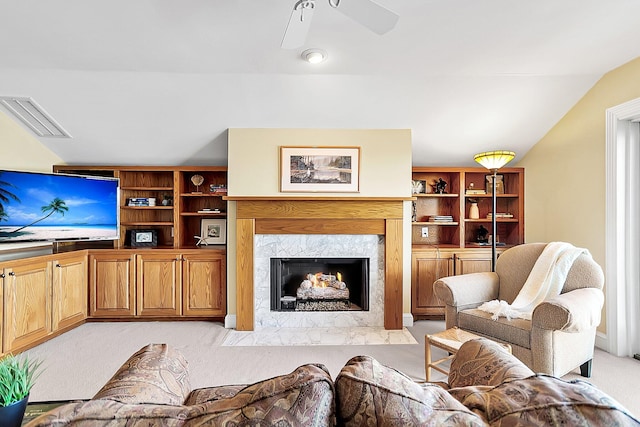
pixel 319 169
pixel 499 184
pixel 213 231
pixel 143 238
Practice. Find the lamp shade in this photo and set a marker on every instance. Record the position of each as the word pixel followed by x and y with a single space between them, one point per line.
pixel 494 159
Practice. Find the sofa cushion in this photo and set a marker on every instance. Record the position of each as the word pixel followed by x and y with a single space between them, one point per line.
pixel 210 394
pixel 544 400
pixel 514 331
pixel 156 374
pixel 304 397
pixel 110 413
pixel 369 393
pixel 484 362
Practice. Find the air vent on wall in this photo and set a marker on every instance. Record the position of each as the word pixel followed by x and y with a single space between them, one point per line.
pixel 34 116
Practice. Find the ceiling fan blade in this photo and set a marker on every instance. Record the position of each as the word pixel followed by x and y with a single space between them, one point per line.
pixel 298 27
pixel 377 18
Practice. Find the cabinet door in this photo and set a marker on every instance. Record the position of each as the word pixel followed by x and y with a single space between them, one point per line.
pixel 27 315
pixel 111 290
pixel 204 285
pixel 159 277
pixel 472 262
pixel 69 292
pixel 426 268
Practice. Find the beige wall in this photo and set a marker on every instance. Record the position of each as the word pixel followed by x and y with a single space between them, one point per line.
pixel 565 170
pixel 385 171
pixel 21 151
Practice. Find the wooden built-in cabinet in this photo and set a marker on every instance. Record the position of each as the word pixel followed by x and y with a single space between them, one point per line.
pixel 112 284
pixel 41 297
pixel 204 284
pixel 69 302
pixel 179 207
pixel 173 277
pixel 427 266
pixel 158 280
pixel 157 283
pixel 443 248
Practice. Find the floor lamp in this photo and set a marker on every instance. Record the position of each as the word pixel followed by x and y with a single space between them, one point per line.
pixel 494 160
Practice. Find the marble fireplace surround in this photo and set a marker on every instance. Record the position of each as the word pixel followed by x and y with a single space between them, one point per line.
pixel 318 215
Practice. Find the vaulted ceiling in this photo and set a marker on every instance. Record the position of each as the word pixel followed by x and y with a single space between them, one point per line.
pixel 159 81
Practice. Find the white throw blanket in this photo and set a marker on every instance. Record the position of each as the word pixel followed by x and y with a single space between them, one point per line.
pixel 545 280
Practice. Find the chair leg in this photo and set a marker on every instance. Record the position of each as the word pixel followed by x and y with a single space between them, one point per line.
pixel 585 369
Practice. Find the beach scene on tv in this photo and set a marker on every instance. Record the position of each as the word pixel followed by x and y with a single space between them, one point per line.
pixel 52 207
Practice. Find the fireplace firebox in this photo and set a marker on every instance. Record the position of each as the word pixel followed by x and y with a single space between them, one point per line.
pixel 319 284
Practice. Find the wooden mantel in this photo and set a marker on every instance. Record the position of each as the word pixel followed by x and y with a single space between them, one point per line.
pixel 319 215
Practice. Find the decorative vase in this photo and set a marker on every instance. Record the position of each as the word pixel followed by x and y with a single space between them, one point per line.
pixel 474 212
pixel 12 415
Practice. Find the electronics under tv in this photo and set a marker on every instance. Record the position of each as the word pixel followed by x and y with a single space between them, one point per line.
pixel 57 207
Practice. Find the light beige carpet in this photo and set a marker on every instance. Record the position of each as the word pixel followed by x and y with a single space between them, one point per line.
pixel 80 361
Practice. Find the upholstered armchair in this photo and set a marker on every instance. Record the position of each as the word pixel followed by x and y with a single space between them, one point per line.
pixel 561 333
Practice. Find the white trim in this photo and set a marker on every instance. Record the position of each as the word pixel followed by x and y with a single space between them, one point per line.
pixel 407 319
pixel 617 242
pixel 230 321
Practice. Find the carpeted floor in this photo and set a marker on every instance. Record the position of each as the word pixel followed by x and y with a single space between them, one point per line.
pixel 80 361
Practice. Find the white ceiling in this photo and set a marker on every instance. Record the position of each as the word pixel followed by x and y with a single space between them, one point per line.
pixel 159 81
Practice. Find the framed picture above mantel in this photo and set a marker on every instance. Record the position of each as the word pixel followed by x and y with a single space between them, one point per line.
pixel 319 169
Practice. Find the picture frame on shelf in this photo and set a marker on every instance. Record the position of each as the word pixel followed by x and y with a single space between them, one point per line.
pixel 499 184
pixel 213 231
pixel 320 169
pixel 143 238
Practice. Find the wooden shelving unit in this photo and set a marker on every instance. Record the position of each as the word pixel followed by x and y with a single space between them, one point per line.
pixel 177 214
pixel 451 248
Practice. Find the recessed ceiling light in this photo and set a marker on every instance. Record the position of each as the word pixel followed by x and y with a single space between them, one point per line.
pixel 314 56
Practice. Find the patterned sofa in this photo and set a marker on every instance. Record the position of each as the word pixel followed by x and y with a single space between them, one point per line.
pixel 486 386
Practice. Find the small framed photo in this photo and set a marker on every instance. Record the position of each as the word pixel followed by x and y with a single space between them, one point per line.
pixel 319 169
pixel 499 184
pixel 143 238
pixel 214 231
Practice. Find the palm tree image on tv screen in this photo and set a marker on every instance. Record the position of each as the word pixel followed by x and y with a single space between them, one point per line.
pixel 55 207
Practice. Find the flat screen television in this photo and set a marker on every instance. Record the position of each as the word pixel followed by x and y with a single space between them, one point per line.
pixel 57 207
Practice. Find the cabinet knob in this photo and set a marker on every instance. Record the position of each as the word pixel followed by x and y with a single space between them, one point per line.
pixel 58 265
pixel 11 273
pixel 2 276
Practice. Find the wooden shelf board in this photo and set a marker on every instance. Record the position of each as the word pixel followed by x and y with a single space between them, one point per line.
pixel 435 223
pixel 437 195
pixel 203 194
pixel 148 207
pixel 152 223
pixel 489 220
pixel 146 188
pixel 481 196
pixel 221 214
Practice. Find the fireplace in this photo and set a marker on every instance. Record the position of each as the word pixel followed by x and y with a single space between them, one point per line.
pixel 287 226
pixel 319 284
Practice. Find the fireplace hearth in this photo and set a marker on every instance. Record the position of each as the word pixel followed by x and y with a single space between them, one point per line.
pixel 319 284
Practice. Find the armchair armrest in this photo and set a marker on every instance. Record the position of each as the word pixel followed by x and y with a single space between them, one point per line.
pixel 467 289
pixel 573 311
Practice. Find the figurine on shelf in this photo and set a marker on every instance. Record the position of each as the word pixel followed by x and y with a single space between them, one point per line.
pixel 417 186
pixel 201 241
pixel 440 186
pixel 482 235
